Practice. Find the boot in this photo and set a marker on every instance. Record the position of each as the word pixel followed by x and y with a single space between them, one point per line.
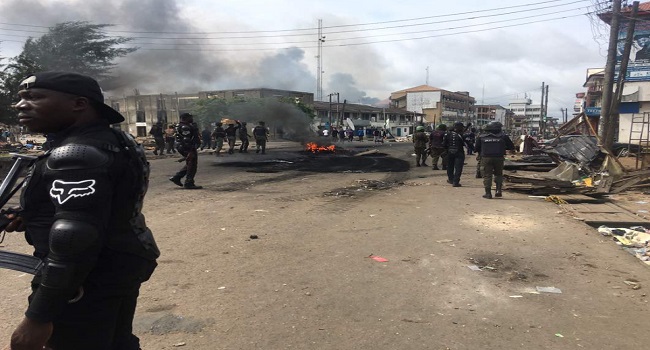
pixel 435 167
pixel 425 164
pixel 417 164
pixel 176 181
pixel 192 186
pixel 488 193
pixel 498 192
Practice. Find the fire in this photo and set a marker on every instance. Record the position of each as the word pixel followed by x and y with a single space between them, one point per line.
pixel 314 148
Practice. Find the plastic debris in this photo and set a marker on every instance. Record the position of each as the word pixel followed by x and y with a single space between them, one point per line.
pixel 559 335
pixel 378 258
pixel 516 296
pixel 180 344
pixel 549 290
pixel 474 268
pixel 445 241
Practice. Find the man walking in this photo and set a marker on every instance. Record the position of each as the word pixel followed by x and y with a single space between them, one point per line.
pixel 261 135
pixel 206 138
pixel 219 135
pixel 437 147
pixel 187 139
pixel 157 133
pixel 492 146
pixel 170 139
pixel 231 136
pixel 420 145
pixel 243 137
pixel 454 145
pixel 81 210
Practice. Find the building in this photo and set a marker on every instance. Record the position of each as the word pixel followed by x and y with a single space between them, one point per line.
pixel 398 121
pixel 141 112
pixel 579 104
pixel 526 116
pixel 494 113
pixel 437 105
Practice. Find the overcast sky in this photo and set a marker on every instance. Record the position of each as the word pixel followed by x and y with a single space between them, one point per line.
pixel 371 48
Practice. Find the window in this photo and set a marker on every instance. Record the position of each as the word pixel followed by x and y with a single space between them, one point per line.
pixel 116 106
pixel 142 131
pixel 139 116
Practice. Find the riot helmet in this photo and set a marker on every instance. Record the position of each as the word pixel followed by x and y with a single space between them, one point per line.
pixel 493 127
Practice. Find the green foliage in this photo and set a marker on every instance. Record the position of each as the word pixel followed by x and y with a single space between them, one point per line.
pixel 210 110
pixel 79 47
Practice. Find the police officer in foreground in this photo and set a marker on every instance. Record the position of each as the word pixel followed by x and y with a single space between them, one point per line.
pixel 454 143
pixel 188 140
pixel 81 210
pixel 491 147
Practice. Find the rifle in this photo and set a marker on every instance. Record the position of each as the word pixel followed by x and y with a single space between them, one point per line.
pixel 8 188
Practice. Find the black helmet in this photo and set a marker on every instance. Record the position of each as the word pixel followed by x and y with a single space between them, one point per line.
pixel 494 126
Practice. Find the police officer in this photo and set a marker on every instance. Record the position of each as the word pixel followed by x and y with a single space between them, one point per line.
pixel 219 135
pixel 261 135
pixel 420 140
pixel 437 148
pixel 188 140
pixel 81 210
pixel 454 145
pixel 231 136
pixel 243 136
pixel 492 146
pixel 158 137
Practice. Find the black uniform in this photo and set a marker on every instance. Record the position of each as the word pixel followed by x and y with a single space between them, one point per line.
pixel 261 136
pixel 454 144
pixel 82 211
pixel 492 147
pixel 187 140
pixel 231 136
pixel 243 136
pixel 206 139
pixel 157 133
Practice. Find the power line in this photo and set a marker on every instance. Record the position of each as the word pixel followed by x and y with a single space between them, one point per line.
pixel 325 27
pixel 335 39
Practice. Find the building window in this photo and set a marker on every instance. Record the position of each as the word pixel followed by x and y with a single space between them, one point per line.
pixel 139 116
pixel 116 106
pixel 142 131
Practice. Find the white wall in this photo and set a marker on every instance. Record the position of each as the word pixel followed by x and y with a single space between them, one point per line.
pixel 416 101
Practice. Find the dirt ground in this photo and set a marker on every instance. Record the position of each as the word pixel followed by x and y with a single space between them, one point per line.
pixel 275 253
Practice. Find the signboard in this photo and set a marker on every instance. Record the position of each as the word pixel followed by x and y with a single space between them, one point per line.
pixel 638 68
pixel 592 111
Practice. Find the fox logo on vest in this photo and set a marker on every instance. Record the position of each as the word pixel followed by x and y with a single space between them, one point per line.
pixel 63 191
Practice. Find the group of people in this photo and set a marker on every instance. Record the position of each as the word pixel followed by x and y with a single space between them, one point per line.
pixel 189 140
pixel 450 145
pixel 164 139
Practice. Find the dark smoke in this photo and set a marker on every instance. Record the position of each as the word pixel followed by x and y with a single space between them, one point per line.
pixel 344 84
pixel 181 68
pixel 292 121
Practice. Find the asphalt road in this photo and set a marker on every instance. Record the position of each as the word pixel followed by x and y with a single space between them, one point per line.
pixel 276 253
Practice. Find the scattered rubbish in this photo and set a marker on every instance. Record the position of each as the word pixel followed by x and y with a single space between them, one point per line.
pixel 642 211
pixel 474 268
pixel 490 268
pixel 516 296
pixel 261 211
pixel 559 335
pixel 378 258
pixel 445 241
pixel 223 229
pixel 180 344
pixel 641 202
pixel 635 240
pixel 221 288
pixel 253 237
pixel 372 215
pixel 633 283
pixel 548 290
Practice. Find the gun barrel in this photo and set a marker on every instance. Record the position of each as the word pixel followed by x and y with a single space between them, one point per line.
pixel 7 187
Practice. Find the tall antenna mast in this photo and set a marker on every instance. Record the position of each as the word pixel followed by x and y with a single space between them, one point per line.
pixel 319 58
pixel 427 75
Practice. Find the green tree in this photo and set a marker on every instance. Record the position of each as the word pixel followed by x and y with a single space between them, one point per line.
pixel 79 47
pixel 209 110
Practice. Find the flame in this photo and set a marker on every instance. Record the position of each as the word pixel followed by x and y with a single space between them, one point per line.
pixel 314 148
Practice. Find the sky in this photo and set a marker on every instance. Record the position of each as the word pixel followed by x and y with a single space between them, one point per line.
pixel 496 50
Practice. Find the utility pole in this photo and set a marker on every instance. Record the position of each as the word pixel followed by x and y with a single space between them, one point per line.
pixel 545 115
pixel 427 81
pixel 608 141
pixel 541 109
pixel 319 58
pixel 608 85
pixel 330 110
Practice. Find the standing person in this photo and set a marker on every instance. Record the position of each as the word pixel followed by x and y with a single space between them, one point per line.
pixel 219 135
pixel 470 139
pixel 492 147
pixel 420 145
pixel 243 136
pixel 206 138
pixel 376 134
pixel 341 134
pixel 170 138
pixel 350 134
pixel 81 211
pixel 453 143
pixel 437 147
pixel 261 135
pixel 187 141
pixel 157 133
pixel 335 134
pixel 231 136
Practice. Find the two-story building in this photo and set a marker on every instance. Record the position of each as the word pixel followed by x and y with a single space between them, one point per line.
pixel 437 105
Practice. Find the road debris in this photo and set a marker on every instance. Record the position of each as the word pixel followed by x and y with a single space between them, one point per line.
pixel 552 290
pixel 378 258
pixel 474 268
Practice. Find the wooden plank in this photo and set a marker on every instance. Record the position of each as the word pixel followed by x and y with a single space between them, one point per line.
pixel 581 198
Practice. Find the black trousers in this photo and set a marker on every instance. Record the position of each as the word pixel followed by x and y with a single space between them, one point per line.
pixel 244 144
pixel 160 145
pixel 170 145
pixel 455 164
pixel 188 171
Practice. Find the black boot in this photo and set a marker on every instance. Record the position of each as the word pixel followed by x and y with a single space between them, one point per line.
pixel 417 164
pixel 498 192
pixel 435 167
pixel 176 181
pixel 488 193
pixel 192 186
